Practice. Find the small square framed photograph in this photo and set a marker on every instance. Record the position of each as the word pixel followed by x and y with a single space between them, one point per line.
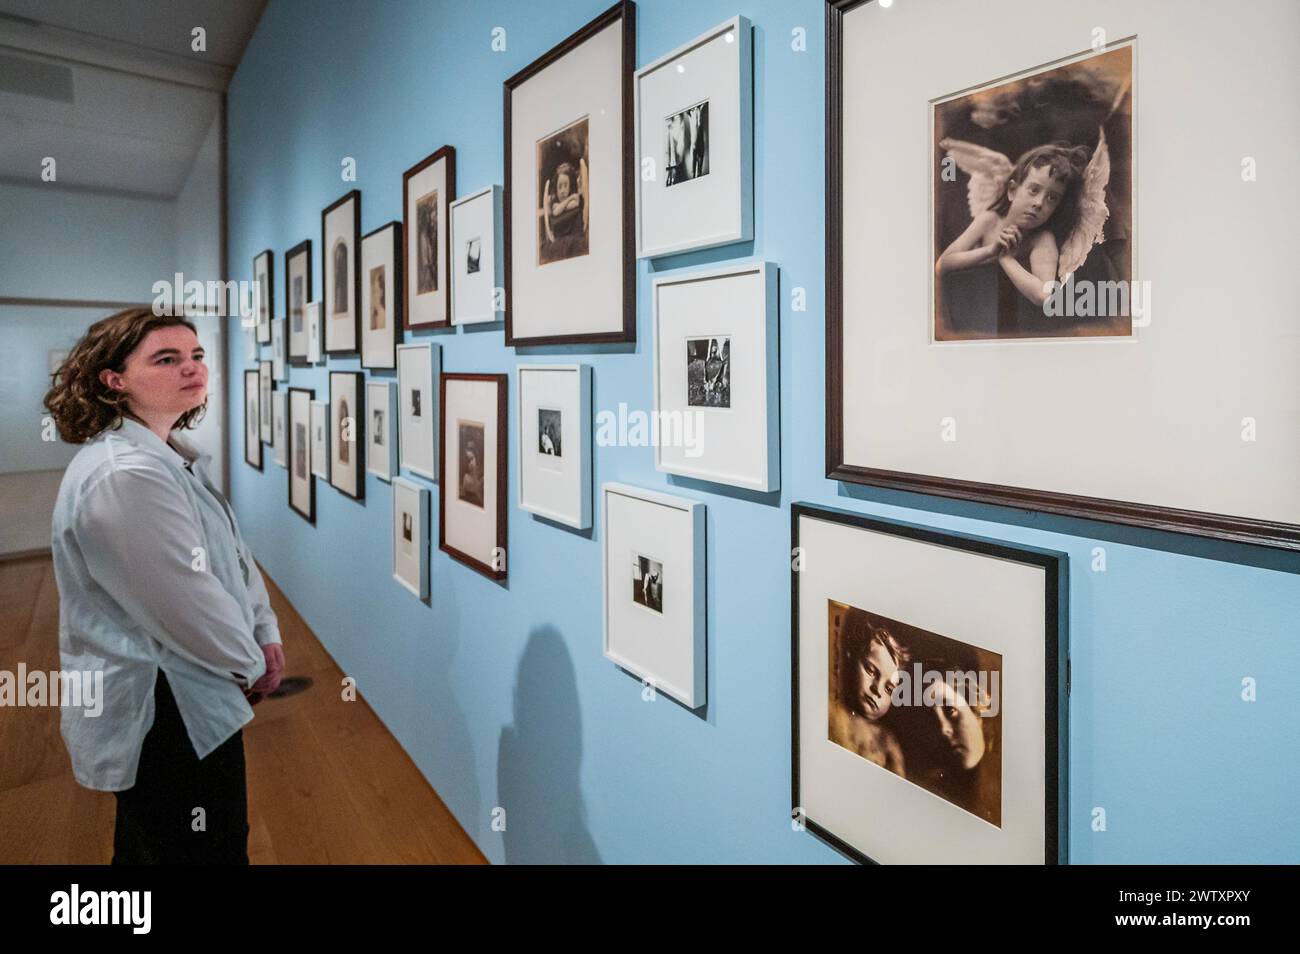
pixel 654 565
pixel 695 130
pixel 411 536
pixel 419 368
pixel 320 439
pixel 297 290
pixel 716 375
pixel 279 410
pixel 381 290
pixel 929 676
pixel 253 419
pixel 264 277
pixel 279 361
pixel 302 483
pixel 570 200
pixel 381 435
pixel 472 466
pixel 315 345
pixel 427 189
pixel 340 237
pixel 554 440
pixel 265 387
pixel 476 257
pixel 346 440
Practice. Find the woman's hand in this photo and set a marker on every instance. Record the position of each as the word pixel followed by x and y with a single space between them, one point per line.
pixel 270 681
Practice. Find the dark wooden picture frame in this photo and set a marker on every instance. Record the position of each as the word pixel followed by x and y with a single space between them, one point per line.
pixel 1150 516
pixel 256 384
pixel 624 11
pixel 446 154
pixel 358 433
pixel 270 295
pixel 355 197
pixel 303 248
pixel 310 515
pixel 447 488
pixel 395 308
pixel 265 368
pixel 1056 661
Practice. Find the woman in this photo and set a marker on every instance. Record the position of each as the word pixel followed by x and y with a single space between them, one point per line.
pixel 158 590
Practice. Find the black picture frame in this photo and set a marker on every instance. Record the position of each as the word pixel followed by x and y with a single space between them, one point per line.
pixel 310 514
pixel 395 308
pixel 358 443
pixel 500 380
pixel 303 250
pixel 270 295
pixel 253 449
pixel 354 196
pixel 447 155
pixel 1055 567
pixel 624 12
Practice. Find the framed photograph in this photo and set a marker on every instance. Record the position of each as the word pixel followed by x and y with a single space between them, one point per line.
pixel 302 483
pixel 914 690
pixel 297 290
pixel 695 132
pixel 716 374
pixel 411 536
pixel 279 411
pixel 279 361
pixel 554 440
pixel 472 467
pixel 427 189
pixel 419 367
pixel 347 420
pixel 570 204
pixel 477 257
pixel 381 284
pixel 990 280
pixel 253 419
pixel 264 277
pixel 340 237
pixel 381 434
pixel 655 594
pixel 320 439
pixel 265 386
pixel 315 345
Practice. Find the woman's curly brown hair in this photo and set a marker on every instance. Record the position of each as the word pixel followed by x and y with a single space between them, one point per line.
pixel 81 404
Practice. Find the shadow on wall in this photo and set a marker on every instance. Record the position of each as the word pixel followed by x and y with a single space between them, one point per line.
pixel 538 760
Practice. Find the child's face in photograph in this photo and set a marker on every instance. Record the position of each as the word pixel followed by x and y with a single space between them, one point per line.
pixel 562 187
pixel 877 676
pixel 1034 201
pixel 959 725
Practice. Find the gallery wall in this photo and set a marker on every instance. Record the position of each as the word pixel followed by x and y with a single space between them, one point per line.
pixel 500 693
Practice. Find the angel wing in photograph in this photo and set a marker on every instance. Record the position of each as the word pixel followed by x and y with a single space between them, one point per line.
pixel 1092 214
pixel 987 169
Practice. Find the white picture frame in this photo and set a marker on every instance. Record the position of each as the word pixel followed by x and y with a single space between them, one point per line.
pixel 279 423
pixel 315 343
pixel 553 436
pixel 279 359
pixel 381 288
pixel 381 432
pixel 654 589
pixel 411 536
pixel 419 370
pixel 695 130
pixel 320 439
pixel 729 406
pixel 477 256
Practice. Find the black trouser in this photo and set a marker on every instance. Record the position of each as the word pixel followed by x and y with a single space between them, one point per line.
pixel 156 819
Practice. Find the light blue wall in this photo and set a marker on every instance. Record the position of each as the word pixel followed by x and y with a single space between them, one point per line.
pixel 502 696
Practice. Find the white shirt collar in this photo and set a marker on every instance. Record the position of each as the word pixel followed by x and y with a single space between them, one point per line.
pixel 179 446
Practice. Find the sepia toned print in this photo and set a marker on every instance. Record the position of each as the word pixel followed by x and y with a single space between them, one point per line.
pixel 378 307
pixel 563 194
pixel 426 232
pixel 471 450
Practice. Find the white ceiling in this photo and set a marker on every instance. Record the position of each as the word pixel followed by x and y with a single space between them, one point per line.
pixel 111 88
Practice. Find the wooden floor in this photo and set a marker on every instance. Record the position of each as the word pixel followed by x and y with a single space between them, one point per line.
pixel 327 783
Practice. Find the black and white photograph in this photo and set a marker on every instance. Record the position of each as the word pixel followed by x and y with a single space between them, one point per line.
pixel 426 231
pixel 341 286
pixel 686 144
pixel 549 432
pixel 377 434
pixel 416 403
pixel 470 450
pixel 648 583
pixel 252 419
pixel 563 194
pixel 265 381
pixel 406 527
pixel 296 302
pixel 378 308
pixel 708 372
pixel 473 254
pixel 300 450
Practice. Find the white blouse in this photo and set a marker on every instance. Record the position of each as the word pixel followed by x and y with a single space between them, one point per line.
pixel 153 574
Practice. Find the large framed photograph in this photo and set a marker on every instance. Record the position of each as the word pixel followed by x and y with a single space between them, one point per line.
pixel 279 433
pixel 279 356
pixel 302 483
pixel 554 440
pixel 427 189
pixel 477 257
pixel 655 595
pixel 264 277
pixel 912 688
pixel 320 439
pixel 381 433
pixel 419 368
pixel 381 291
pixel 472 467
pixel 346 440
pixel 716 374
pixel 570 203
pixel 297 290
pixel 695 143
pixel 411 536
pixel 990 282
pixel 340 239
pixel 265 387
pixel 253 419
